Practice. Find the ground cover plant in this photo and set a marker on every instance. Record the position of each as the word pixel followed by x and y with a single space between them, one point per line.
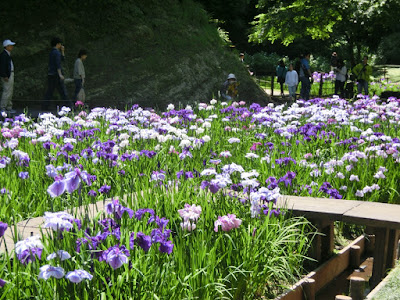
pixel 200 183
pixel 176 227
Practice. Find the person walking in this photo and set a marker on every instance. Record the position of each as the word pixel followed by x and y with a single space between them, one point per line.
pixel 363 72
pixel 305 75
pixel 292 80
pixel 55 75
pixel 281 74
pixel 7 77
pixel 340 72
pixel 79 75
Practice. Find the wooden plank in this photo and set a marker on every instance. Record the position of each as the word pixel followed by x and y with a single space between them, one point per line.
pixel 318 208
pixel 374 214
pixel 335 266
pixel 296 293
pixel 326 272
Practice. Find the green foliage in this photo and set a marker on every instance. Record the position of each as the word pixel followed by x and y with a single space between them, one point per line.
pixel 348 25
pixel 287 21
pixel 389 49
pixel 263 62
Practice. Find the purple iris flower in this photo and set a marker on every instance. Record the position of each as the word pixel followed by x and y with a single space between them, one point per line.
pixel 23 175
pixel 272 212
pixel 117 209
pixel 179 174
pixel 78 275
pixel 213 187
pixel 158 175
pixel 116 256
pixel 166 247
pixel 57 188
pixel 161 222
pixel 29 255
pixel 92 193
pixel 2 283
pixel 108 224
pixel 142 240
pixel 67 147
pixel 51 171
pixel 3 228
pixel 272 182
pixel 140 212
pixel 105 189
pixel 73 179
pixel 189 174
pixel 48 271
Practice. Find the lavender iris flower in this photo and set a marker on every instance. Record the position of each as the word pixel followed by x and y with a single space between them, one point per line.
pixel 117 209
pixel 78 275
pixel 63 255
pixel 51 171
pixel 2 283
pixel 48 271
pixel 23 175
pixel 29 255
pixel 57 188
pixel 117 256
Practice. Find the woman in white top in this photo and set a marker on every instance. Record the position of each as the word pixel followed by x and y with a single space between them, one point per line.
pixel 340 72
pixel 292 80
pixel 79 72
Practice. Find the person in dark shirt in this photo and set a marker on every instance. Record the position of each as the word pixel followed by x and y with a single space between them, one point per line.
pixel 55 75
pixel 7 77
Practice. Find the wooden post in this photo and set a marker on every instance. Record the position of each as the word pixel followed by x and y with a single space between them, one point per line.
pixel 327 240
pixel 355 256
pixel 309 288
pixel 370 245
pixel 398 250
pixel 392 248
pixel 357 288
pixel 380 256
pixel 323 242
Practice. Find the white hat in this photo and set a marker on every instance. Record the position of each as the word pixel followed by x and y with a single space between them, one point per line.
pixel 231 76
pixel 8 43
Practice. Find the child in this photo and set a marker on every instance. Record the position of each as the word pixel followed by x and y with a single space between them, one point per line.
pixel 79 74
pixel 292 80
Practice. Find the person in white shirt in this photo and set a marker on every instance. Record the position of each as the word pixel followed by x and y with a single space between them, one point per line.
pixel 292 80
pixel 340 72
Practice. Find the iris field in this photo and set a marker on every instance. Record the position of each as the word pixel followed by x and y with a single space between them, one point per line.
pixel 193 212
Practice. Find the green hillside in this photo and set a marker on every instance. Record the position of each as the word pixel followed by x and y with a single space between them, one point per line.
pixel 146 52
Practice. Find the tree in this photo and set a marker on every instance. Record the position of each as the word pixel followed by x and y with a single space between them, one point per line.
pixel 357 24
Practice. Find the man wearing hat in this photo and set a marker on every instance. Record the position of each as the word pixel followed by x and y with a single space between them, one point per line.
pixel 7 76
pixel 229 88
